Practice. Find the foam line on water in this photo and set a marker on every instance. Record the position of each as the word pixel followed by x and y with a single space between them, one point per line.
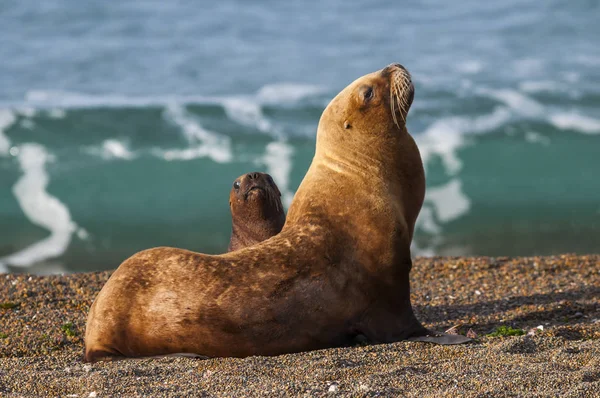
pixel 112 148
pixel 286 93
pixel 525 106
pixel 272 94
pixel 442 204
pixel 40 208
pixel 445 136
pixel 575 121
pixel 540 86
pixel 426 221
pixel 203 143
pixel 516 101
pixel 470 67
pixel 278 160
pixel 448 200
pixel 57 113
pixel 247 112
pixel 51 99
pixel 7 118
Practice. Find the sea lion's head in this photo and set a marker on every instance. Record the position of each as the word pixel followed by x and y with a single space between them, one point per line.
pixel 364 151
pixel 256 209
pixel 369 113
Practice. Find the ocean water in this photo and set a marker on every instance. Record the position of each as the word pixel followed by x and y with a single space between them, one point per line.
pixel 123 124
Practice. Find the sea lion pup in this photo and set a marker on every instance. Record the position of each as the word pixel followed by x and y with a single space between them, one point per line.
pixel 338 269
pixel 256 210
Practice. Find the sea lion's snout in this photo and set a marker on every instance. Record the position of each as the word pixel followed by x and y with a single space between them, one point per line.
pixel 253 176
pixel 402 91
pixel 255 183
pixel 388 70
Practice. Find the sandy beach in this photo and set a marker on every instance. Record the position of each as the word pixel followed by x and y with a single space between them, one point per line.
pixel 536 319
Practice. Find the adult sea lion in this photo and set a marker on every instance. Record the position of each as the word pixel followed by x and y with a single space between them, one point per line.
pixel 256 210
pixel 338 269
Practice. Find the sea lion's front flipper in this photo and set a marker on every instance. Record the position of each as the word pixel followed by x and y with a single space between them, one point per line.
pixel 441 338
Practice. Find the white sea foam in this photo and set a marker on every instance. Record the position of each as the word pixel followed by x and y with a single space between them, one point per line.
pixel 203 143
pixel 82 233
pixel 248 112
pixel 537 86
pixel 189 154
pixel 575 121
pixel 7 118
pixel 113 148
pixel 470 67
pixel 27 111
pixel 445 136
pixel 517 102
pixel 57 113
pixel 279 93
pixel 525 106
pixel 448 200
pixel 244 109
pixel 286 93
pixel 426 221
pixel 73 100
pixel 571 77
pixel 536 138
pixel 417 250
pixel 40 208
pixel 442 204
pixel 278 160
pixel 27 124
pixel 587 60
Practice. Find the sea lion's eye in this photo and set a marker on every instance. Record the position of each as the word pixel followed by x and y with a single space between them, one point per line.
pixel 368 93
pixel 236 185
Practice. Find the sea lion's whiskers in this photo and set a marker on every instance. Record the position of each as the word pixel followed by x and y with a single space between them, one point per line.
pixel 398 79
pixel 392 103
pixel 396 97
pixel 400 84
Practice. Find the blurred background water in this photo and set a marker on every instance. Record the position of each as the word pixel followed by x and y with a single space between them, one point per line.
pixel 123 124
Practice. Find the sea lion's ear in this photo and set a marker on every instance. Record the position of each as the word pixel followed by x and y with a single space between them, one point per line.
pixel 442 338
pixel 347 125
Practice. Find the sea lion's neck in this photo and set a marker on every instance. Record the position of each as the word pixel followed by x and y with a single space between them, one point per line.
pixel 248 234
pixel 374 192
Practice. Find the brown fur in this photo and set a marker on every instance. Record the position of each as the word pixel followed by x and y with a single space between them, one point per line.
pixel 340 266
pixel 256 210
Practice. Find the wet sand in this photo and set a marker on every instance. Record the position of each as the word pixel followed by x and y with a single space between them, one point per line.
pixel 554 300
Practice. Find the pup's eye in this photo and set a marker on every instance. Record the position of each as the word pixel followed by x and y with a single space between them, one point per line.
pixel 368 93
pixel 236 185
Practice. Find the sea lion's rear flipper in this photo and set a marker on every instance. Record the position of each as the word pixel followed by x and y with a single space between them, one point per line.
pixel 441 338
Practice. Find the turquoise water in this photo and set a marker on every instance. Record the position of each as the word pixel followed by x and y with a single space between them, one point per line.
pixel 123 125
